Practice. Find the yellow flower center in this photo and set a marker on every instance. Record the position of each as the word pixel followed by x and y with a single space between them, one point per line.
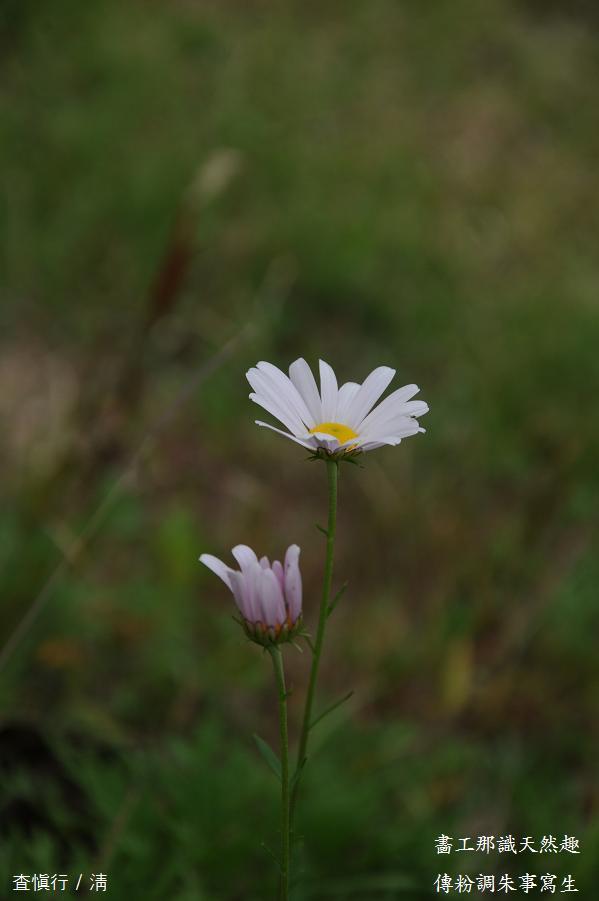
pixel 336 430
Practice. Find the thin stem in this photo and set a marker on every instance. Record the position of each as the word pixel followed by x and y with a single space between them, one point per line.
pixel 277 659
pixel 332 474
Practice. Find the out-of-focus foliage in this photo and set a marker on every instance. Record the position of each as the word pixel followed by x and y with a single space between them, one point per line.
pixel 189 187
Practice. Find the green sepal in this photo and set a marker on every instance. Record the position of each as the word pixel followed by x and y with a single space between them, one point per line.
pixel 307 638
pixel 349 456
pixel 266 637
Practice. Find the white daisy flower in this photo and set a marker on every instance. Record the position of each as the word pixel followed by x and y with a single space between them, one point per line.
pixel 336 419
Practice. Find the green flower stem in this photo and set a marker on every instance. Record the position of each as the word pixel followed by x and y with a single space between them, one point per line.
pixel 277 659
pixel 332 474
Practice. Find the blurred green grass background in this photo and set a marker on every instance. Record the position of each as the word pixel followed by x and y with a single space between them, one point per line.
pixel 190 187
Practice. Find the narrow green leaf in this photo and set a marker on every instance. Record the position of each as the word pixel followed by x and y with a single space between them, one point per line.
pixel 321 529
pixel 336 599
pixel 331 708
pixel 271 853
pixel 268 755
pixel 298 774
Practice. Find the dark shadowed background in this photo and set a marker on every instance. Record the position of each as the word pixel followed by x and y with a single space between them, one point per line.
pixel 190 187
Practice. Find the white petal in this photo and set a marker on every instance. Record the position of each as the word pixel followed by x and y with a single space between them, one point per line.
pixel 415 408
pixel 347 393
pixel 368 394
pixel 277 412
pixel 301 376
pixel 278 388
pixel 330 444
pixel 404 429
pixel 244 555
pixel 304 443
pixel 401 427
pixel 273 399
pixel 389 407
pixel 328 391
pixel 286 389
pixel 218 567
pixel 373 445
pixel 351 442
pixel 326 438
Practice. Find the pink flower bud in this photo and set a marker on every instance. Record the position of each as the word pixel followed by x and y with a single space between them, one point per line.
pixel 269 597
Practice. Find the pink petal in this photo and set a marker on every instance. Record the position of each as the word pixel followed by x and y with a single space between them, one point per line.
pixel 244 555
pixel 242 599
pixel 271 600
pixel 277 569
pixel 293 582
pixel 218 568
